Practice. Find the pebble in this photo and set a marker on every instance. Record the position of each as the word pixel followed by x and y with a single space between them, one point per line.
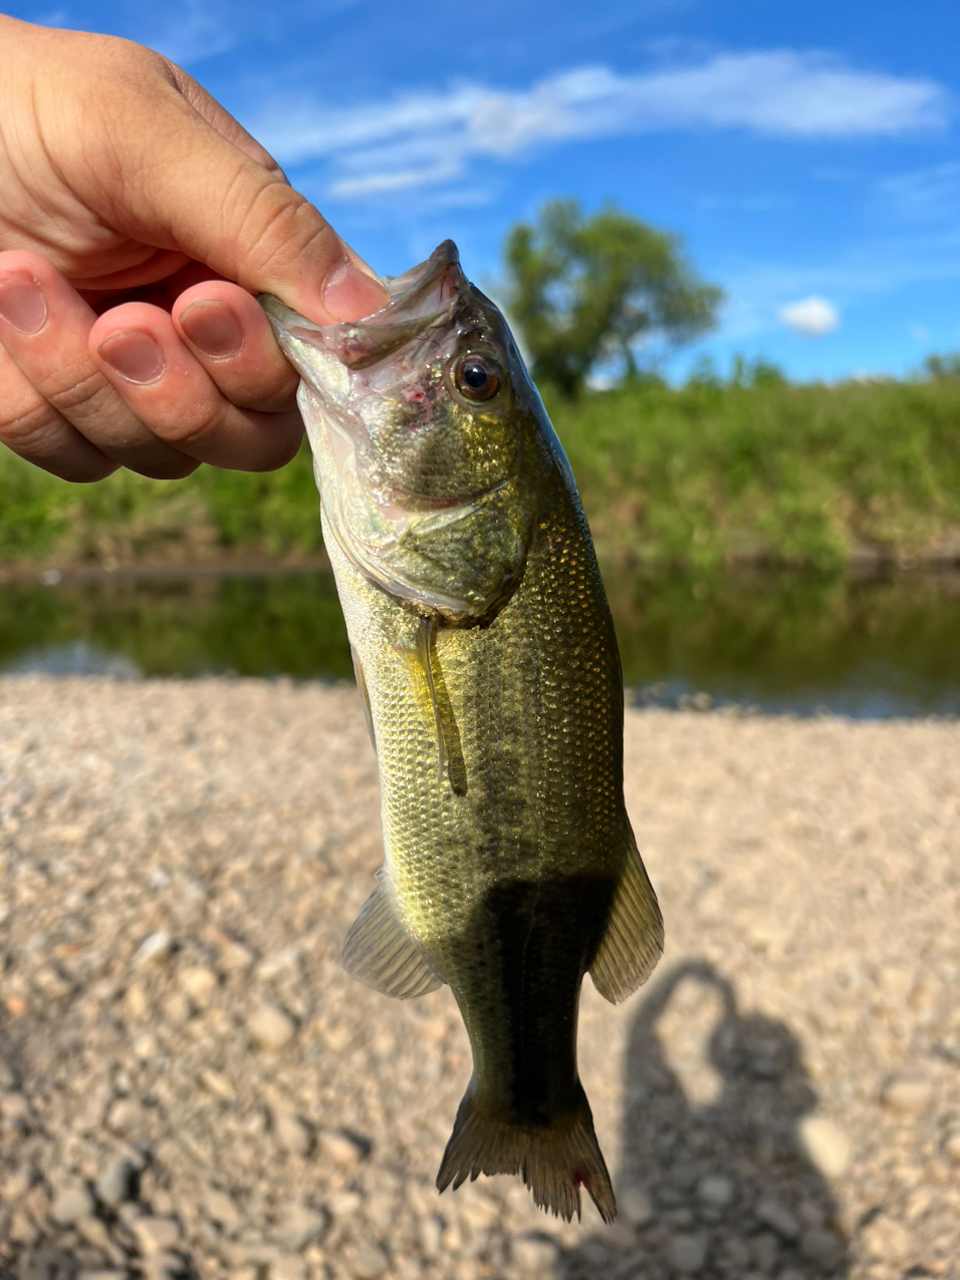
pixel 292 1134
pixel 715 1190
pixel 821 1246
pixel 94 1232
pixel 341 1149
pixel 951 1145
pixel 72 1202
pixel 300 1226
pixel 907 1095
pixel 117 1182
pixel 157 947
pixel 367 1261
pixel 687 1253
pixel 635 1206
pixel 198 982
pixel 124 1115
pixel 157 1235
pixel 825 1145
pixel 222 1209
pixel 270 1027
pixel 16 1185
pixel 290 1266
pixel 533 1256
pixel 886 1239
pixel 775 1215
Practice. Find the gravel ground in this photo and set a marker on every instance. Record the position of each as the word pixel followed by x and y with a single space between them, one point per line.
pixel 190 1086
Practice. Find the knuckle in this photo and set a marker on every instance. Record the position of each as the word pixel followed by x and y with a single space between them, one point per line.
pixel 283 227
pixel 27 427
pixel 88 396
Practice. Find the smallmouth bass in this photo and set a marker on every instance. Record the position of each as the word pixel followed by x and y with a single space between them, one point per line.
pixel 487 661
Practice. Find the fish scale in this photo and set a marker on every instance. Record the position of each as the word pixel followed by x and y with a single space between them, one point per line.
pixel 487 655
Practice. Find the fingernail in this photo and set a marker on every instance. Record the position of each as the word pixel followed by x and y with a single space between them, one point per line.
pixel 213 329
pixel 134 355
pixel 350 294
pixel 22 303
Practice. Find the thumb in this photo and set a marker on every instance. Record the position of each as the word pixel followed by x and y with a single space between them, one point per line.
pixel 223 201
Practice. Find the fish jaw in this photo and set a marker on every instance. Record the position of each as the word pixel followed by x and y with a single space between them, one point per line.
pixel 419 488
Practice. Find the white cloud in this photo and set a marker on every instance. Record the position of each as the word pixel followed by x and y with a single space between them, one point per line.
pixel 925 194
pixel 811 316
pixel 430 138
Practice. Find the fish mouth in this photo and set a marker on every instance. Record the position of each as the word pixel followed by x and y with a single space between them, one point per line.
pixel 421 298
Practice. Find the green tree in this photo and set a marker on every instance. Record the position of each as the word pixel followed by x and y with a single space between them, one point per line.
pixel 586 289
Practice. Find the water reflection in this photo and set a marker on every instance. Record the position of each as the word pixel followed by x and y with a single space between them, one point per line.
pixel 712 1180
pixel 779 642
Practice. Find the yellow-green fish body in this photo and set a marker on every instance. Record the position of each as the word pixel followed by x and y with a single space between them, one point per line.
pixel 486 653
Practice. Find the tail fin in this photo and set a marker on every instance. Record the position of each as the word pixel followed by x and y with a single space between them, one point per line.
pixel 554 1160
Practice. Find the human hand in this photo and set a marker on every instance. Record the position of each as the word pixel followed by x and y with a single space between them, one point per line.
pixel 137 217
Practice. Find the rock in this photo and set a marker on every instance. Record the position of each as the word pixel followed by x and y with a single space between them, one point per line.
pixel 288 1267
pixel 367 1261
pixel 103 1273
pixel 222 1209
pixel 686 1253
pixel 775 1215
pixel 292 1133
pixel 821 1246
pixel 533 1256
pixel 886 1240
pixel 766 1248
pixel 16 1185
pixel 715 1190
pixel 95 1232
pixel 343 1149
pixel 135 1001
pixel 72 1202
pixel 124 1115
pixel 429 1231
pixel 198 982
pixel 157 947
pixel 300 1226
pixel 117 1182
pixel 635 1206
pixel 907 1095
pixel 951 1145
pixel 218 1084
pixel 156 1235
pixel 825 1145
pixel 270 1027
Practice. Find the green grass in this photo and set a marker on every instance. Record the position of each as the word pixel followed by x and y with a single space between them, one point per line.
pixel 698 476
pixel 794 475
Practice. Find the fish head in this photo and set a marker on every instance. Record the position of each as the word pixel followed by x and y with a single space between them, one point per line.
pixel 421 418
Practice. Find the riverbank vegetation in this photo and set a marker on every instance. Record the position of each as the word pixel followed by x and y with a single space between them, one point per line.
pixel 744 469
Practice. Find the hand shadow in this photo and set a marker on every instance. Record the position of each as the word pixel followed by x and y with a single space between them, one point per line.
pixel 713 1181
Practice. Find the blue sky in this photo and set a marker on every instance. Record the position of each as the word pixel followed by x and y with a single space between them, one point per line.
pixel 806 152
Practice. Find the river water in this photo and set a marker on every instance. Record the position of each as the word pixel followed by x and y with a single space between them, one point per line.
pixel 770 642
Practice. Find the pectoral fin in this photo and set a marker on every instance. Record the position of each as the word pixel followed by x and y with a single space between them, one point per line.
pixel 379 951
pixel 633 941
pixel 449 752
pixel 364 694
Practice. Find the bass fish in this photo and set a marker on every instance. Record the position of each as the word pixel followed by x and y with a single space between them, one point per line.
pixel 485 653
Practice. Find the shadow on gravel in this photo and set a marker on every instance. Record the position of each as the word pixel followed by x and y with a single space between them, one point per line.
pixel 713 1181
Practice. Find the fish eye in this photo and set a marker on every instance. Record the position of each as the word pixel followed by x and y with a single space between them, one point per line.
pixel 476 377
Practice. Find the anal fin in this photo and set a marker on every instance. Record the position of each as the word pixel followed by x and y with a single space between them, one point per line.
pixel 379 952
pixel 633 941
